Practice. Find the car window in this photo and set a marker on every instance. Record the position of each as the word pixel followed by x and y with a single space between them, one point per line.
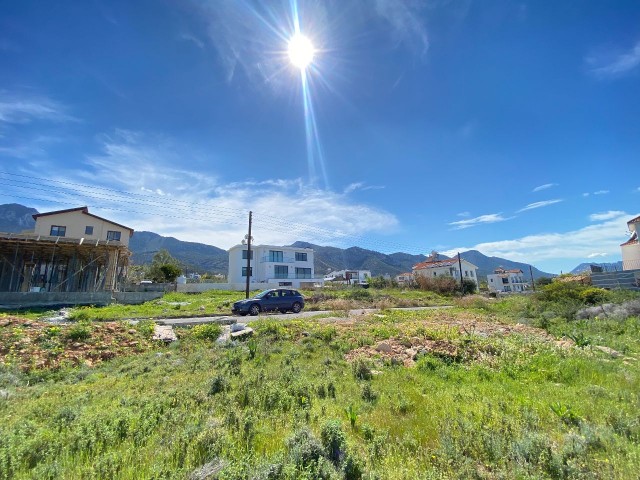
pixel 285 293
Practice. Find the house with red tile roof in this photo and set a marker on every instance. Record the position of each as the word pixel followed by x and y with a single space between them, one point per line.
pixel 631 248
pixel 450 268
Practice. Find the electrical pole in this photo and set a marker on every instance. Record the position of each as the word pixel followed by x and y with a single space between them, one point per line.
pixel 248 257
pixel 533 282
pixel 460 265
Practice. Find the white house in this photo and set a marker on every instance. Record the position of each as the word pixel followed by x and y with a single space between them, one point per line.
pixel 404 278
pixel 349 276
pixel 450 268
pixel 284 266
pixel 507 281
pixel 631 248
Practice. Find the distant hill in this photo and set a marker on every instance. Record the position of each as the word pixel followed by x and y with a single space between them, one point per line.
pixel 486 265
pixel 202 258
pixel 14 218
pixel 586 267
pixel 197 257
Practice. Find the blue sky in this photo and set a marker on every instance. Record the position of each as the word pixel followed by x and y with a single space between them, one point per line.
pixel 509 127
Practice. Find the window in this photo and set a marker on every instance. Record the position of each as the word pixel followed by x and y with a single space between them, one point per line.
pixel 301 257
pixel 303 272
pixel 58 231
pixel 88 230
pixel 113 235
pixel 275 256
pixel 466 273
pixel 244 271
pixel 244 254
pixel 471 271
pixel 281 271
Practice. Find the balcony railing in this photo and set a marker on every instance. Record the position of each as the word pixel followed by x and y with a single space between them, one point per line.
pixel 275 259
pixel 292 276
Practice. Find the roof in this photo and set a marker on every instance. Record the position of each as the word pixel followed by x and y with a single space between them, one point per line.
pixel 634 220
pixel 440 263
pixel 633 240
pixel 84 210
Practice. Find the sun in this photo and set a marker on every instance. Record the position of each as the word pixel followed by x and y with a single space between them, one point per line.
pixel 301 51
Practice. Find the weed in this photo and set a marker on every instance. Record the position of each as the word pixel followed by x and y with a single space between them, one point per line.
pixel 78 332
pixel 565 413
pixel 362 369
pixel 352 415
pixel 219 384
pixel 368 394
pixel 207 331
pixel 252 345
pixel 334 440
pixel 580 339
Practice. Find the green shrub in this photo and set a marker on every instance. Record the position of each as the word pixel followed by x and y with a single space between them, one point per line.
pixel 352 468
pixel 594 296
pixel 78 332
pixel 218 384
pixel 362 369
pixel 145 328
pixel 368 393
pixel 359 294
pixel 207 331
pixel 334 440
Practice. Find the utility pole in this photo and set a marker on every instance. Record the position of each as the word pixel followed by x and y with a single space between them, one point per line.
pixel 248 258
pixel 460 265
pixel 533 282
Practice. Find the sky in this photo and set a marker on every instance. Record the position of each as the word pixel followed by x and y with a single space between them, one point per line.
pixel 508 127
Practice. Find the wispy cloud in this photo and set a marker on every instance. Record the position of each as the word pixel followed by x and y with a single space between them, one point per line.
pixel 463 214
pixel 595 255
pixel 188 37
pixel 603 237
pixel 597 217
pixel 137 181
pixel 352 187
pixel 597 192
pixel 482 219
pixel 406 23
pixel 544 203
pixel 544 187
pixel 608 64
pixel 20 108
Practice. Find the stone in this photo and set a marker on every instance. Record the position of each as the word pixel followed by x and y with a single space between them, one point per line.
pixel 610 351
pixel 4 394
pixel 384 347
pixel 237 327
pixel 132 331
pixel 208 471
pixel 164 333
pixel 248 331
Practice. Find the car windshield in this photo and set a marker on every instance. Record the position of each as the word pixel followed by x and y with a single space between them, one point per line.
pixel 262 294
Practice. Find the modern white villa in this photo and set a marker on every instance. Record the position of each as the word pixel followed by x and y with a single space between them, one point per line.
pixel 448 268
pixel 283 266
pixel 405 278
pixel 348 276
pixel 507 281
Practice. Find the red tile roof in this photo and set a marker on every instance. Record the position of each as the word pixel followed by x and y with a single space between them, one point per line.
pixel 436 264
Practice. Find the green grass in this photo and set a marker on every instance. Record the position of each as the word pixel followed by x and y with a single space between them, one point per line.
pixel 527 409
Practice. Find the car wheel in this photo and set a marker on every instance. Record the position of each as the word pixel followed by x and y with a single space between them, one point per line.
pixel 296 307
pixel 254 310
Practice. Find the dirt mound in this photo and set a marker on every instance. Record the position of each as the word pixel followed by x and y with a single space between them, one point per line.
pixel 31 344
pixel 399 353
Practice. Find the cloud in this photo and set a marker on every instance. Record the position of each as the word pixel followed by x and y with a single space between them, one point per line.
pixel 544 203
pixel 140 181
pixel 544 187
pixel 20 109
pixel 407 26
pixel 594 255
pixel 601 192
pixel 604 236
pixel 482 219
pixel 606 64
pixel 597 217
pixel 187 37
pixel 361 186
pixel 463 214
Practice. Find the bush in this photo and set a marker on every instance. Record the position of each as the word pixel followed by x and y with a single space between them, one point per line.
pixel 334 440
pixel 79 331
pixel 594 296
pixel 219 384
pixel 208 331
pixel 443 285
pixel 362 369
pixel 468 286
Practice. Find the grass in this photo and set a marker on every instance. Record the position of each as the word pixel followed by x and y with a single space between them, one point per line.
pixel 289 405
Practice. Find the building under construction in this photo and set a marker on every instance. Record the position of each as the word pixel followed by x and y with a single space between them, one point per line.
pixel 34 263
pixel 68 251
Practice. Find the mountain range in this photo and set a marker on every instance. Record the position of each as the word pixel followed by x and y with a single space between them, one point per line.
pixel 201 258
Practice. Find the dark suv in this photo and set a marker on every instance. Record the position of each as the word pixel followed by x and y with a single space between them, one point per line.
pixel 280 299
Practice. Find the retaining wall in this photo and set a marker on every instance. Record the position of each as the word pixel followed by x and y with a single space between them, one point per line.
pixel 627 279
pixel 18 300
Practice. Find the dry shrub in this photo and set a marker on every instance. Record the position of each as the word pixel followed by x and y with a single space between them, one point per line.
pixel 472 301
pixel 443 285
pixel 337 304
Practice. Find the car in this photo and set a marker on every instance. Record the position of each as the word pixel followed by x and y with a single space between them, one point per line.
pixel 281 299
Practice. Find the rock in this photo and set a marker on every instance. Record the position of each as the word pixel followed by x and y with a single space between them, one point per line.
pixel 237 327
pixel 164 333
pixel 208 471
pixel 242 333
pixel 202 308
pixel 4 394
pixel 610 351
pixel 411 353
pixel 132 331
pixel 384 347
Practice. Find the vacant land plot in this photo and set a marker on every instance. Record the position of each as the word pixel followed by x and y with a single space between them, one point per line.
pixel 516 388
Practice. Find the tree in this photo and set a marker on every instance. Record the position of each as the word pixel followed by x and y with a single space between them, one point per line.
pixel 164 268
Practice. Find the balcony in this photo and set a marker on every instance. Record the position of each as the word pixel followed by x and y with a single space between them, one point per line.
pixel 292 276
pixel 277 259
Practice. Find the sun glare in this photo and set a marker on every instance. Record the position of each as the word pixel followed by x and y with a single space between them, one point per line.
pixel 300 51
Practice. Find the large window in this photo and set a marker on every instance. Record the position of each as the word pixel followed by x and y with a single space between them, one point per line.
pixel 88 230
pixel 113 235
pixel 245 253
pixel 58 231
pixel 281 271
pixel 303 273
pixel 301 257
pixel 244 271
pixel 275 256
